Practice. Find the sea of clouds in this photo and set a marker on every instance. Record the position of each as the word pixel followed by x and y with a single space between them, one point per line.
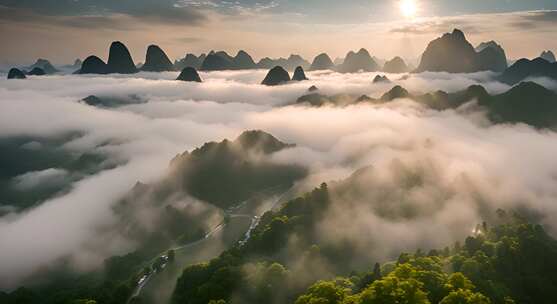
pixel 461 156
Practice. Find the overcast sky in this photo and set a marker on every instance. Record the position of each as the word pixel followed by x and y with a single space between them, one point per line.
pixel 63 30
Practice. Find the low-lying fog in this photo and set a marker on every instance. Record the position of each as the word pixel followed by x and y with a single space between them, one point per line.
pixel 456 153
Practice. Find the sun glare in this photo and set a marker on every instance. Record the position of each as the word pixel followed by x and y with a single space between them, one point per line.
pixel 408 8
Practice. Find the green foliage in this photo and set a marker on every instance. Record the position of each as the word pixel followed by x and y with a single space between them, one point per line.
pixel 462 296
pixel 326 292
pixel 512 261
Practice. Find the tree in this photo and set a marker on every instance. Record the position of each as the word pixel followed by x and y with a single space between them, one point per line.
pixel 377 271
pixel 325 292
pixel 458 281
pixel 394 290
pixel 462 296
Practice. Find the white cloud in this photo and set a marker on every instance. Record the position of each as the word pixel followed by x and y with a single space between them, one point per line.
pixel 510 165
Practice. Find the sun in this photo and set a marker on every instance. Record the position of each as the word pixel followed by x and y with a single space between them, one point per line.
pixel 408 8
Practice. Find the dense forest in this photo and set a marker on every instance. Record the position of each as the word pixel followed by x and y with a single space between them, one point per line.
pixel 508 261
pixel 512 261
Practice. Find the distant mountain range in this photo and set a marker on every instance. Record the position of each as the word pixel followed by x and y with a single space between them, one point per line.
pixel 527 102
pixel 450 53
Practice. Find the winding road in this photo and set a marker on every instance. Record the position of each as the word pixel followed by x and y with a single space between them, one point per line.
pixel 228 213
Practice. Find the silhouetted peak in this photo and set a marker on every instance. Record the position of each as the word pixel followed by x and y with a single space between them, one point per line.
pixel 489 44
pixel 277 75
pixel 313 89
pixel 36 71
pixel 530 90
pixel 363 52
pixel 381 79
pixel 16 74
pixel 257 140
pixel 119 59
pixel 322 62
pixel 454 54
pixel 458 34
pixel 217 61
pixel 189 74
pixel 477 89
pixel 93 100
pixel 548 55
pixel 44 65
pixel 93 65
pixel 294 57
pixel 156 60
pixel 395 93
pixel 242 53
pixel 395 65
pixel 299 74
pixel 525 68
pixel 360 61
pixel 244 61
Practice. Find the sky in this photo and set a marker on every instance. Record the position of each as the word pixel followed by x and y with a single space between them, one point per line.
pixel 63 30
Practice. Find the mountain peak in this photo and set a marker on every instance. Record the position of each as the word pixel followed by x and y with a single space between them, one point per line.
pixel 458 34
pixel 454 54
pixel 156 60
pixel 189 74
pixel 299 74
pixel 260 141
pixel 395 93
pixel 395 65
pixel 16 74
pixel 120 60
pixel 322 62
pixel 93 65
pixel 548 55
pixel 277 75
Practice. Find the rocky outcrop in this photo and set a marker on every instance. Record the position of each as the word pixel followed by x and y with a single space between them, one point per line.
pixel 381 79
pixel 243 61
pixel 216 62
pixel 322 62
pixel 44 65
pixel 299 74
pixel 156 60
pixel 16 74
pixel 527 102
pixel 525 68
pixel 296 61
pixel 93 65
pixel 313 89
pixel 356 62
pixel 395 93
pixel 395 66
pixel 289 64
pixel 491 56
pixel 189 61
pixel 189 74
pixel 454 54
pixel 548 55
pixel 276 76
pixel 119 59
pixel 36 72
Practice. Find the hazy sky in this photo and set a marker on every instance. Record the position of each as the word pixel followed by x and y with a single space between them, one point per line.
pixel 62 30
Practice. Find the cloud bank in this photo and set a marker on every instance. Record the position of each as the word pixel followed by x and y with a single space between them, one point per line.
pixel 458 156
